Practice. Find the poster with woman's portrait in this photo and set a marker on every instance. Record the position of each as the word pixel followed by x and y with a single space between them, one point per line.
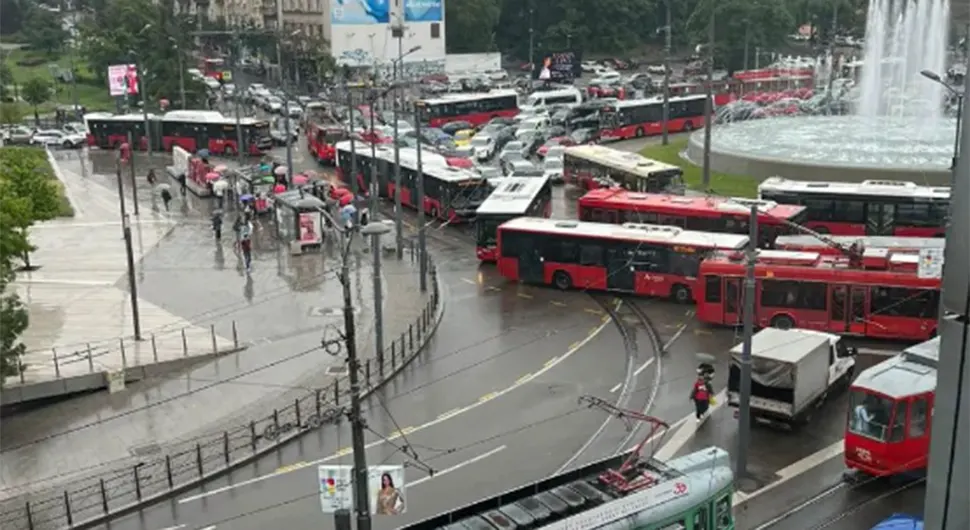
pixel 387 490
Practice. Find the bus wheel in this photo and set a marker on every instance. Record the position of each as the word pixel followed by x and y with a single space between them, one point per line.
pixel 688 126
pixel 680 294
pixel 639 132
pixel 434 212
pixel 782 322
pixel 229 151
pixel 562 280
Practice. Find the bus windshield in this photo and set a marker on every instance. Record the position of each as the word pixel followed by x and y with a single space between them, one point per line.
pixel 869 415
pixel 488 230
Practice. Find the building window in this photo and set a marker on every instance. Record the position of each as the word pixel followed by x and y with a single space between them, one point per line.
pixel 435 30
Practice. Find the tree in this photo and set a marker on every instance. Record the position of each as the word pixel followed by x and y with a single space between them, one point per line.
pixel 36 92
pixel 6 78
pixel 470 25
pixel 15 14
pixel 10 114
pixel 44 31
pixel 741 24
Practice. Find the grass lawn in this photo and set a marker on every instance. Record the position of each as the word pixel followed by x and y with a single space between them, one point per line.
pixel 94 97
pixel 721 183
pixel 39 159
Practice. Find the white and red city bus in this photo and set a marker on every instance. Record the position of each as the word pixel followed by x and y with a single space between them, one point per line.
pixel 513 197
pixel 451 194
pixel 109 131
pixel 596 166
pixel 644 117
pixel 891 413
pixel 649 260
pixel 881 297
pixel 213 67
pixel 706 213
pixel 836 245
pixel 193 130
pixel 870 208
pixel 322 141
pixel 477 108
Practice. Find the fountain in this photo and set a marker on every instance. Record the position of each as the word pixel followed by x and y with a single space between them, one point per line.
pixel 896 131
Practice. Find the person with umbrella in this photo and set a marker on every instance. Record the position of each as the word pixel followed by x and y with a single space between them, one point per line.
pixel 165 192
pixel 219 188
pixel 217 224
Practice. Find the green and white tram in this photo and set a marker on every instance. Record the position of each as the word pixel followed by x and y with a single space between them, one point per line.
pixel 626 492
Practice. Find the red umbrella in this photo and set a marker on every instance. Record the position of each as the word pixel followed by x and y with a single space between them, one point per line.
pixel 300 180
pixel 279 188
pixel 212 176
pixel 346 199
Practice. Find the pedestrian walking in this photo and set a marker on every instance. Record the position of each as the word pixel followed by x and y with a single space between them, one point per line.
pixel 166 197
pixel 217 224
pixel 701 393
pixel 151 177
pixel 219 189
pixel 237 227
pixel 182 184
pixel 246 245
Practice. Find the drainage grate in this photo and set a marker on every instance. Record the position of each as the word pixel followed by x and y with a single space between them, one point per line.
pixel 145 450
pixel 337 370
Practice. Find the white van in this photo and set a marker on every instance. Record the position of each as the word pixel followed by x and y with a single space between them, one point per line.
pixel 569 97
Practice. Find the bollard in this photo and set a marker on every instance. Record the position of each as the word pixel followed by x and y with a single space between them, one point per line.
pixel 336 392
pixel 403 344
pixel 225 445
pixel 411 336
pixel 297 406
pixel 418 334
pixel 67 509
pixel 137 483
pixel 154 349
pixel 235 335
pixel 20 368
pixel 185 345
pixel 318 393
pixel 394 359
pixel 30 517
pixel 212 333
pixel 198 457
pixel 276 419
pixel 57 365
pixel 393 354
pixel 124 359
pixel 90 360
pixel 168 471
pixel 104 496
pixel 252 434
pixel 367 371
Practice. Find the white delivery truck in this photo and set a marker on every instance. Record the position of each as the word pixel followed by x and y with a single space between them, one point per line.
pixel 793 371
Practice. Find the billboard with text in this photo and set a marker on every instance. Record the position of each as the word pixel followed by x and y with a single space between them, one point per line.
pixel 385 484
pixel 123 80
pixel 360 12
pixel 423 11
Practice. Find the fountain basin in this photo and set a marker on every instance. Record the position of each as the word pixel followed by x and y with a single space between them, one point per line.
pixel 837 148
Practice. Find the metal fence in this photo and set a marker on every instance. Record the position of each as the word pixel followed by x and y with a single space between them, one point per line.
pixel 93 500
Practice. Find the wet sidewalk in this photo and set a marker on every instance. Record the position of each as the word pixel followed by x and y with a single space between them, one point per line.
pixel 281 312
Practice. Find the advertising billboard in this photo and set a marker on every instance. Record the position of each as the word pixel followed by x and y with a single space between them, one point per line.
pixel 423 10
pixel 123 80
pixel 559 67
pixel 359 12
pixel 385 485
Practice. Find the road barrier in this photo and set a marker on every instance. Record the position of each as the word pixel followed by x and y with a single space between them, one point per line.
pixel 91 501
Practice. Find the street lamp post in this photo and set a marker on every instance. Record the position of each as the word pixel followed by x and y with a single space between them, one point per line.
pixel 666 108
pixel 933 76
pixel 141 91
pixel 398 223
pixel 709 101
pixel 178 53
pixel 286 118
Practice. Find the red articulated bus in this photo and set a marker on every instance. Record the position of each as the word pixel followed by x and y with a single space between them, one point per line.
pixel 893 244
pixel 193 130
pixel 450 194
pixel 322 141
pixel 109 131
pixel 644 117
pixel 590 167
pixel 868 208
pixel 513 197
pixel 883 296
pixel 710 213
pixel 649 260
pixel 891 413
pixel 476 109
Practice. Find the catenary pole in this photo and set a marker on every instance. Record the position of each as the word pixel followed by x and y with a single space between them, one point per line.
pixel 744 423
pixel 129 254
pixel 398 222
pixel 709 101
pixel 241 147
pixel 144 112
pixel 353 145
pixel 374 217
pixel 361 499
pixel 422 262
pixel 666 110
pixel 134 183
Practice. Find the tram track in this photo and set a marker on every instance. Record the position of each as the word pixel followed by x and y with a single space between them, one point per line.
pixel 657 346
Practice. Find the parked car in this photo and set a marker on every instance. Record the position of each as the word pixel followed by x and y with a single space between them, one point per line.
pixel 512 151
pixel 58 138
pixel 552 167
pixel 483 147
pixel 559 141
pixel 491 174
pixel 585 136
pixel 556 151
pixel 18 135
pixel 523 168
pixel 453 127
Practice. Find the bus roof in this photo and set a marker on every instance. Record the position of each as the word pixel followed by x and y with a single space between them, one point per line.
pixel 513 195
pixel 408 156
pixel 806 242
pixel 619 197
pixel 639 233
pixel 879 266
pixel 452 174
pixel 206 116
pixel 619 160
pixel 626 103
pixel 452 98
pixel 880 188
pixel 104 116
pixel 911 372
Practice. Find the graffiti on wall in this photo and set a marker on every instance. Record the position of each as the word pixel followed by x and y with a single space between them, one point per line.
pixel 356 58
pixel 413 69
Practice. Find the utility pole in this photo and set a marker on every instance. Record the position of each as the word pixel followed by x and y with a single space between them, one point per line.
pixel 134 183
pixel 744 424
pixel 241 147
pixel 666 111
pixel 74 37
pixel 422 244
pixel 130 254
pixel 709 101
pixel 398 223
pixel 353 144
pixel 178 51
pixel 531 59
pixel 374 218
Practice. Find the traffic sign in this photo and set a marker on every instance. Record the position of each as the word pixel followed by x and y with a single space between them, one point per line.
pixel 335 488
pixel 930 263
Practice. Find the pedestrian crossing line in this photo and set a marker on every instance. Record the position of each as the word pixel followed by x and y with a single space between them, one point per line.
pixel 557 303
pixel 525 295
pixel 470 282
pixel 592 311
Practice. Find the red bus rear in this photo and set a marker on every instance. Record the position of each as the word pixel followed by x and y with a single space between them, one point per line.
pixel 193 130
pixel 713 214
pixel 886 299
pixel 513 197
pixel 805 243
pixel 868 208
pixel 476 109
pixel 213 67
pixel 649 260
pixel 322 141
pixel 890 413
pixel 644 117
pixel 590 167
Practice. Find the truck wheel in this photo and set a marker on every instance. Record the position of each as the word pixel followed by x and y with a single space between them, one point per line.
pixel 782 322
pixel 562 280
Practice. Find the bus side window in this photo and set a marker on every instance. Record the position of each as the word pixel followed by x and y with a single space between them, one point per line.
pixel 917 418
pixel 712 289
pixel 899 422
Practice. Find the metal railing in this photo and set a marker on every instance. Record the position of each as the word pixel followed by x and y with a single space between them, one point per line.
pixel 91 501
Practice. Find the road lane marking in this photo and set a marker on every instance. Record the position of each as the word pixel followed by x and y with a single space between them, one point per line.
pixel 176 527
pixel 292 467
pixel 558 303
pixel 525 295
pixel 449 414
pixel 492 288
pixel 592 311
pixel 787 473
pixel 686 432
pixel 455 467
pixel 573 345
pixel 636 372
pixel 213 527
pixel 878 353
pixel 523 379
pixel 488 397
pixel 472 282
pixel 549 365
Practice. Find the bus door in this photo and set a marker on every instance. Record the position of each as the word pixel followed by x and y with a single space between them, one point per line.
pixel 917 445
pixel 619 270
pixel 857 309
pixel 847 309
pixel 531 267
pixel 732 301
pixel 880 219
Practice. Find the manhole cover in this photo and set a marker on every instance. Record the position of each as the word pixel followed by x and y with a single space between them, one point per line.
pixel 145 450
pixel 337 370
pixel 328 312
